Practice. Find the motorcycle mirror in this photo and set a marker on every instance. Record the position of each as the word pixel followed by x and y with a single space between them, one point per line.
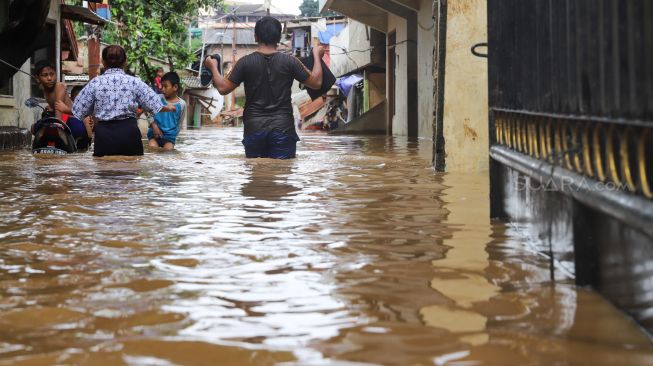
pixel 32 103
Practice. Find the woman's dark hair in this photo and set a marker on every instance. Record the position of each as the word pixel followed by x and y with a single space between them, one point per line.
pixel 114 56
pixel 268 31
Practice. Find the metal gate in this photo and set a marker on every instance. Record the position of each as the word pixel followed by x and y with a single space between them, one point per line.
pixel 571 84
pixel 571 107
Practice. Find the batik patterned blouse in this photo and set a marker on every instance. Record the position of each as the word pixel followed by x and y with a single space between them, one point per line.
pixel 115 96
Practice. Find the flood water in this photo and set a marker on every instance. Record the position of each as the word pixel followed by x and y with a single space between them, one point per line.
pixel 355 253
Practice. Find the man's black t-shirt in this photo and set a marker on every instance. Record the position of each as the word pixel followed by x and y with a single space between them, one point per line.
pixel 268 81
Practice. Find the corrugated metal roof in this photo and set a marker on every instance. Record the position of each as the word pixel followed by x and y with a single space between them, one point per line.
pixel 308 21
pixel 81 14
pixel 245 8
pixel 251 10
pixel 192 82
pixel 225 35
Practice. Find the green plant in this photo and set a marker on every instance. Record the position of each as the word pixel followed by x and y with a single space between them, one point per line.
pixel 311 8
pixel 154 28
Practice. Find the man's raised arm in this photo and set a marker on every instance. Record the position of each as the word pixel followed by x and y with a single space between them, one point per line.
pixel 224 86
pixel 314 81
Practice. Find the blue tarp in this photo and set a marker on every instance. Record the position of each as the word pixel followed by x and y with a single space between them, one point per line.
pixel 104 12
pixel 345 84
pixel 331 31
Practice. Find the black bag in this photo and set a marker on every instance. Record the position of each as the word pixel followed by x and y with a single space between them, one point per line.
pixel 327 78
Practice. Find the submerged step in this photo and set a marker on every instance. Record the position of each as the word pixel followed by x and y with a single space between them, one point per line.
pixel 14 138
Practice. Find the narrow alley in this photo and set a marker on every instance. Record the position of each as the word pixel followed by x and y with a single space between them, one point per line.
pixel 354 253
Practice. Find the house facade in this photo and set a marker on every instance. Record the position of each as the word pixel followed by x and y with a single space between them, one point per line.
pixel 21 87
pixel 56 43
pixel 432 76
pixel 354 53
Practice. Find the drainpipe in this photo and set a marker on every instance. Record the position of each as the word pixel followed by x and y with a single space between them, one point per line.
pixel 412 101
pixel 441 53
pixel 93 48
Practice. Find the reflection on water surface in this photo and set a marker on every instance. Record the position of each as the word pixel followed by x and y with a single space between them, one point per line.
pixel 355 253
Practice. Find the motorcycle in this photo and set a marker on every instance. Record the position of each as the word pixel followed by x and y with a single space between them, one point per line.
pixel 51 135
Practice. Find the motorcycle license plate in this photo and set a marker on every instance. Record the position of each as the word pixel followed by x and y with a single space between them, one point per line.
pixel 49 151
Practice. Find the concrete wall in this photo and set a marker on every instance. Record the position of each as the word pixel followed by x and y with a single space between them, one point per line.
pixel 12 110
pixel 466 88
pixel 353 37
pixel 426 47
pixel 595 248
pixel 372 123
pixel 398 121
pixel 241 51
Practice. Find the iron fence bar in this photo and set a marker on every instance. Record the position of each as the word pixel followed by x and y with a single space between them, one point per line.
pixel 578 118
pixel 633 211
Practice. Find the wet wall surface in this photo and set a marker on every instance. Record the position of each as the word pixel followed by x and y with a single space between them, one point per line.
pixel 592 247
pixel 354 253
pixel 12 138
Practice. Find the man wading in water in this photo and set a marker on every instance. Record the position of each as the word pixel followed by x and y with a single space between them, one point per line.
pixel 268 76
pixel 113 99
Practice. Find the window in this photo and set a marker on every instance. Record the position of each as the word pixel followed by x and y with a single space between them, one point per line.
pixel 45 49
pixel 8 89
pixel 4 7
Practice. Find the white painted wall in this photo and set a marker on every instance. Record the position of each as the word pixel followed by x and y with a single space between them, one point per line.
pixel 353 38
pixel 425 81
pixel 399 122
pixel 12 110
pixel 426 44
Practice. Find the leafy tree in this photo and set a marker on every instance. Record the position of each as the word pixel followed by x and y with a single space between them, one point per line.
pixel 154 28
pixel 310 8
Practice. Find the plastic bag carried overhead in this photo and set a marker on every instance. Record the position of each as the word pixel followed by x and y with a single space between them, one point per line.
pixel 328 79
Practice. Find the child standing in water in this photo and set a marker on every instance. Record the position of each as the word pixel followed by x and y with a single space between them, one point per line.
pixel 164 129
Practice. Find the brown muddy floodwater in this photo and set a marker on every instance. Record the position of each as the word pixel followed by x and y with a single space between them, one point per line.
pixel 354 253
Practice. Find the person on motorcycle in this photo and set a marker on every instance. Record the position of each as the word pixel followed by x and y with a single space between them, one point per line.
pixel 59 103
pixel 54 91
